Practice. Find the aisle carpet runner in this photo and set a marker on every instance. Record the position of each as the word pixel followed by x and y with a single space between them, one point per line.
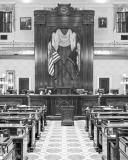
pixel 64 143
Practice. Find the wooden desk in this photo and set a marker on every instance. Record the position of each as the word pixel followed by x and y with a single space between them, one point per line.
pixel 89 110
pixel 42 109
pixel 34 115
pixel 37 117
pixel 30 110
pixel 7 149
pixel 23 120
pixel 19 134
pixel 91 119
pixel 97 133
pixel 109 137
pixel 123 147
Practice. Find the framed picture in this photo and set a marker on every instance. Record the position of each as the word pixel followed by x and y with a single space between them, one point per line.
pixel 102 22
pixel 25 23
pixel 10 78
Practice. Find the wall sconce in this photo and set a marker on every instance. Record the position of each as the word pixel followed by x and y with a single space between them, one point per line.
pixel 124 81
pixel 2 84
pixel 10 74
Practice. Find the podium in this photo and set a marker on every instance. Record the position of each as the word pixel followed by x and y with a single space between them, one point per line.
pixel 67 116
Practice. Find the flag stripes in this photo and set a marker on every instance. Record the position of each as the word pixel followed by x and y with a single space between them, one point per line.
pixel 54 57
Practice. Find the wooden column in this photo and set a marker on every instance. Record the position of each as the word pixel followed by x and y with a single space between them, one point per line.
pixel 87 50
pixel 40 51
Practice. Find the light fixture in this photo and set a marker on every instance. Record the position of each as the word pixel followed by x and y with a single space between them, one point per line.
pixel 124 81
pixel 101 1
pixel 2 83
pixel 26 1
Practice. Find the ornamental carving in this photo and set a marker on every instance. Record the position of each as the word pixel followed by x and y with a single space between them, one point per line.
pixel 87 19
pixel 40 19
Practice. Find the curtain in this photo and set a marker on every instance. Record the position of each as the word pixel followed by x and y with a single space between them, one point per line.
pixel 119 8
pixel 9 8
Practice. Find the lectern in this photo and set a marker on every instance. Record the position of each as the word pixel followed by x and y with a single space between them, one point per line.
pixel 67 115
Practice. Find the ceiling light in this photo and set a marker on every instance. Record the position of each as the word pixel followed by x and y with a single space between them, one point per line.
pixel 26 1
pixel 101 1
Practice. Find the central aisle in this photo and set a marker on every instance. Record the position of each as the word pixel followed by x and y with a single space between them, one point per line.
pixel 64 143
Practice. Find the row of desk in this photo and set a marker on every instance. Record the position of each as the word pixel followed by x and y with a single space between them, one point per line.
pixel 20 128
pixel 108 128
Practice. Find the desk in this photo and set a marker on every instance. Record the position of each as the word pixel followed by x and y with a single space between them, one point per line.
pixel 34 115
pixel 7 149
pixel 109 136
pixel 97 133
pixel 19 134
pixel 123 147
pixel 91 119
pixel 23 120
pixel 89 110
pixel 30 110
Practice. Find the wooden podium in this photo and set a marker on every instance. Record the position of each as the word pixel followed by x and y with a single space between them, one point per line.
pixel 67 116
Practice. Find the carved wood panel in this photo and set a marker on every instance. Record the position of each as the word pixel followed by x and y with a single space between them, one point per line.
pixel 80 22
pixel 87 103
pixel 58 101
pixel 116 102
pixel 40 102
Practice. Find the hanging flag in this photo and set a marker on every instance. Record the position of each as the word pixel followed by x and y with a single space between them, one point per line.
pixel 53 58
pixel 73 58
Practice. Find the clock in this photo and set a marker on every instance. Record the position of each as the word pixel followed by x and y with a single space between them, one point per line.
pixel 64 9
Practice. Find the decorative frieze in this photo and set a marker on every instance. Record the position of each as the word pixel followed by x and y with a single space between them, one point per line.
pixel 88 19
pixel 40 19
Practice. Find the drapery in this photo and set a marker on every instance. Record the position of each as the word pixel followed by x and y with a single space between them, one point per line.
pixel 69 39
pixel 64 40
pixel 119 8
pixel 9 8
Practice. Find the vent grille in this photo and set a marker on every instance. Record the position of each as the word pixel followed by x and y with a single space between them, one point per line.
pixel 124 37
pixel 3 37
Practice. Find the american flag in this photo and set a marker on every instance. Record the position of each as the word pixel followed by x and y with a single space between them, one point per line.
pixel 53 58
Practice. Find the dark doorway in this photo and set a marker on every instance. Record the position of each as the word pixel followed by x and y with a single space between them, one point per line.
pixel 23 84
pixel 104 83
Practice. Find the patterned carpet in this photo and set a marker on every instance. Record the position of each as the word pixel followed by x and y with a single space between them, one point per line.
pixel 64 143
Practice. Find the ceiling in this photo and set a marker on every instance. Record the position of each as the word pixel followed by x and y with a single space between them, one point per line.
pixel 64 1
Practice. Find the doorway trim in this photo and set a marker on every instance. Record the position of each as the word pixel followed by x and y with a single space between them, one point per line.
pixel 18 82
pixel 110 81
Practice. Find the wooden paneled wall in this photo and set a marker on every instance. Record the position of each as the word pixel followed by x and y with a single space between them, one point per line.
pixel 46 22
